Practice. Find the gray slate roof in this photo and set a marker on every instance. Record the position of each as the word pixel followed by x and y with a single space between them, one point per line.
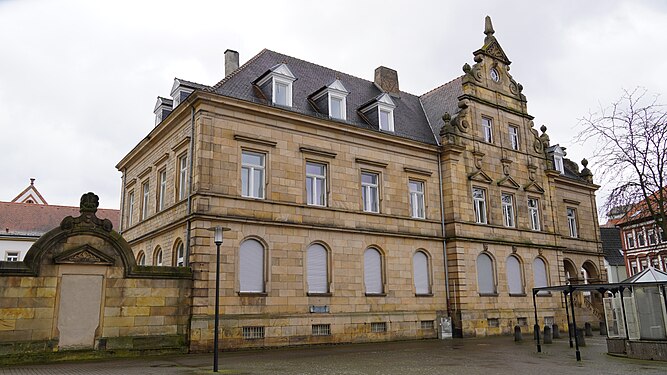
pixel 611 246
pixel 440 100
pixel 409 118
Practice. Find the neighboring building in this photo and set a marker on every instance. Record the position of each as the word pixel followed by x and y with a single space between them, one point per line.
pixel 28 216
pixel 343 196
pixel 614 261
pixel 643 241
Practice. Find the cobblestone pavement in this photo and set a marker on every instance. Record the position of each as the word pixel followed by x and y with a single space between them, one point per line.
pixel 488 356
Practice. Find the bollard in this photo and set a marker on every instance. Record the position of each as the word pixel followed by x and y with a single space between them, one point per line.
pixel 518 336
pixel 580 337
pixel 588 329
pixel 603 328
pixel 547 335
pixel 555 331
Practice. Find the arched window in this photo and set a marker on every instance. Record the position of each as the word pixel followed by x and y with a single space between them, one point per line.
pixel 157 256
pixel 514 276
pixel 141 259
pixel 539 273
pixel 485 275
pixel 373 272
pixel 251 273
pixel 179 254
pixel 317 270
pixel 420 273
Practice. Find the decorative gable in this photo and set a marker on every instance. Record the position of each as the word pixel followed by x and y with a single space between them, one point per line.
pixel 533 187
pixel 30 195
pixel 480 176
pixel 509 182
pixel 85 254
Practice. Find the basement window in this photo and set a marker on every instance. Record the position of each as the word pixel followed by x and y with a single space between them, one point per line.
pixel 321 329
pixel 378 327
pixel 253 332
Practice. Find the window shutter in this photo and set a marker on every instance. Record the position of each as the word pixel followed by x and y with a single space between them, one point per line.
pixel 373 271
pixel 539 273
pixel 485 274
pixel 251 267
pixel 317 269
pixel 514 281
pixel 420 265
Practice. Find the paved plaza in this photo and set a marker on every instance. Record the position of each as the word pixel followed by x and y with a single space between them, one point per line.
pixel 494 355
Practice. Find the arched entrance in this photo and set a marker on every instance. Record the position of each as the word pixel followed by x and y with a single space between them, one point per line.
pixel 571 274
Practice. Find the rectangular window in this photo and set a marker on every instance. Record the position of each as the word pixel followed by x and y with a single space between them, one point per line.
pixel 321 329
pixel 652 240
pixel 162 192
pixel 508 209
pixel 386 120
pixel 130 208
pixel 522 321
pixel 12 256
pixel 427 325
pixel 644 263
pixel 144 203
pixel 493 322
pixel 252 333
pixel 534 212
pixel 558 164
pixel 378 327
pixel 479 204
pixel 281 93
pixel 633 267
pixel 514 137
pixel 336 107
pixel 572 222
pixel 316 184
pixel 630 239
pixel 252 174
pixel 417 199
pixel 487 125
pixel 182 176
pixel 370 191
pixel 641 240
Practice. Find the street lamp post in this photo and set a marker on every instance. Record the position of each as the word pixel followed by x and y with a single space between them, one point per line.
pixel 218 241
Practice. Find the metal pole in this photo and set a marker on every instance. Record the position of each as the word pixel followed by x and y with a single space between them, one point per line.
pixel 574 323
pixel 567 313
pixel 217 308
pixel 536 328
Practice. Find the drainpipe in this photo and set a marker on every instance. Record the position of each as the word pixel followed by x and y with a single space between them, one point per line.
pixel 122 201
pixel 186 261
pixel 444 242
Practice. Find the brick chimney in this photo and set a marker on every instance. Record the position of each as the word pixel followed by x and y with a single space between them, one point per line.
pixel 231 61
pixel 387 79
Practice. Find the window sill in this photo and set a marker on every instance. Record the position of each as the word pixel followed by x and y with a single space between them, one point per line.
pixel 543 294
pixel 517 294
pixel 488 294
pixel 423 294
pixel 328 294
pixel 252 294
pixel 376 294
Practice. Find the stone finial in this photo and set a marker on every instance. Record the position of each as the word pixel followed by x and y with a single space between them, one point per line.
pixel 32 181
pixel 586 173
pixel 544 138
pixel 488 26
pixel 89 203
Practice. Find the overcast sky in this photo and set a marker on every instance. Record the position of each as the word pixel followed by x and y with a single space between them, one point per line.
pixel 79 79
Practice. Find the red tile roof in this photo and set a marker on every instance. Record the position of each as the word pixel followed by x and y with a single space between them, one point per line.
pixel 37 219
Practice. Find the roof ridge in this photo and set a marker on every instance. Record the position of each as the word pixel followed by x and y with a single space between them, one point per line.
pixel 439 87
pixel 53 205
pixel 192 82
pixel 236 71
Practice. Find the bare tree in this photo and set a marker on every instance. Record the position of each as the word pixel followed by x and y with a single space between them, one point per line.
pixel 630 139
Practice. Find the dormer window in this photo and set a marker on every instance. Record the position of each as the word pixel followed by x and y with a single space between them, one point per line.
pixel 382 111
pixel 558 164
pixel 162 109
pixel 557 153
pixel 179 91
pixel 331 100
pixel 280 78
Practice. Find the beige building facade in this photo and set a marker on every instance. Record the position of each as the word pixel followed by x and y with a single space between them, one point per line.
pixel 358 212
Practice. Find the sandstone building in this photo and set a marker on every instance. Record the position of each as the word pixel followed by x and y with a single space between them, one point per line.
pixel 358 211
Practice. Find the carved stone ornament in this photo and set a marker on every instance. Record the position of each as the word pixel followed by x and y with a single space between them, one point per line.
pixel 532 169
pixel 514 249
pixel 485 246
pixel 506 166
pixel 461 119
pixel 478 156
pixel 85 254
pixel 88 218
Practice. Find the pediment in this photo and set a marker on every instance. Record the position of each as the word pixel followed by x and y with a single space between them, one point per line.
pixel 509 182
pixel 85 254
pixel 282 69
pixel 385 99
pixel 494 50
pixel 338 86
pixel 534 187
pixel 480 176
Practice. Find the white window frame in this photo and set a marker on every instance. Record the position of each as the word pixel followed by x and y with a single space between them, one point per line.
pixel 367 188
pixel 534 213
pixel 157 257
pixel 641 238
pixel 509 219
pixel 312 182
pixel 317 269
pixel 130 207
pixel 417 203
pixel 141 258
pixel 255 282
pixel 630 240
pixel 182 176
pixel 343 106
pixel 390 118
pixel 145 189
pixel 162 190
pixel 572 222
pixel 180 254
pixel 288 91
pixel 251 168
pixel 479 206
pixel 487 129
pixel 558 164
pixel 651 234
pixel 514 137
pixel 12 256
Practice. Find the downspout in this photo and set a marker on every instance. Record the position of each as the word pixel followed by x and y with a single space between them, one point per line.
pixel 122 202
pixel 444 242
pixel 190 172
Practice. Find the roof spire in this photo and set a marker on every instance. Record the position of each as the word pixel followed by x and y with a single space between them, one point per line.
pixel 488 27
pixel 32 181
